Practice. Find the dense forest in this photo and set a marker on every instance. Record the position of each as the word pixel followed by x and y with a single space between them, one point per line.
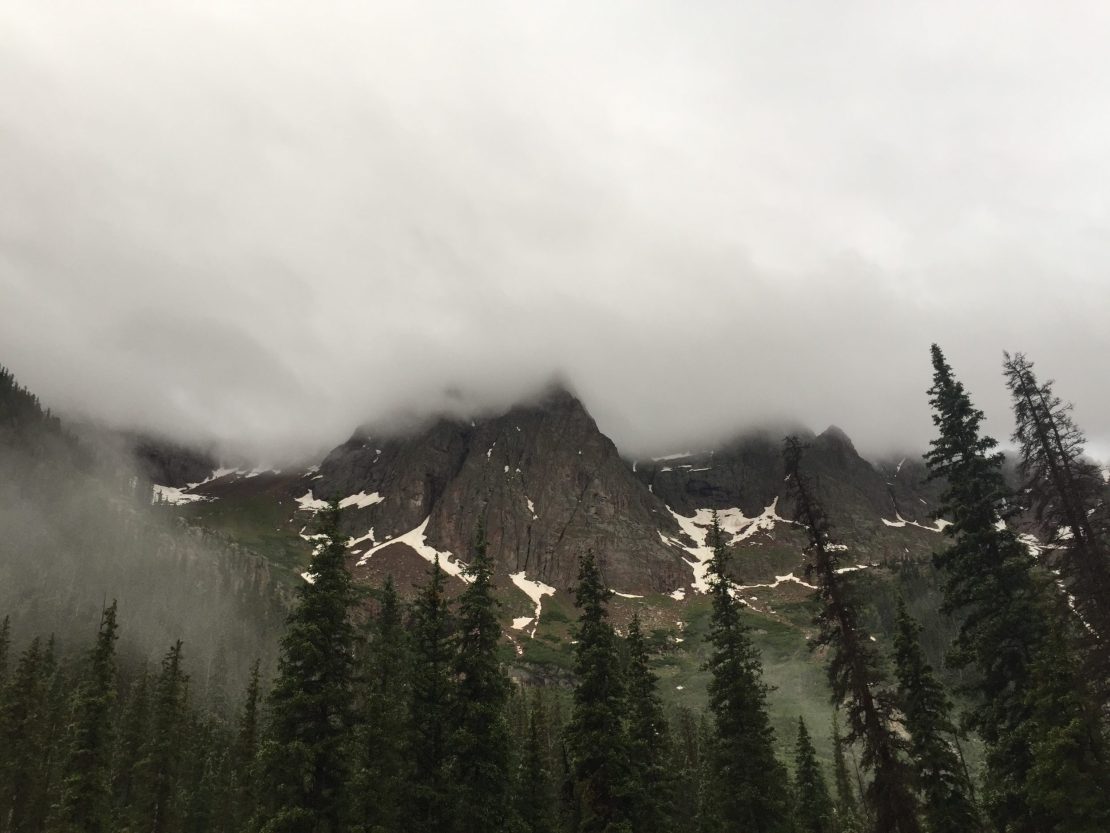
pixel 388 716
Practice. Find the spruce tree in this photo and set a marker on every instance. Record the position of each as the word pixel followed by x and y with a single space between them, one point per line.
pixel 945 792
pixel 748 790
pixel 86 790
pixel 160 771
pixel 651 785
pixel 813 809
pixel 992 583
pixel 483 800
pixel 305 760
pixel 382 766
pixel 855 673
pixel 1067 494
pixel 23 723
pixel 429 790
pixel 5 648
pixel 131 739
pixel 535 792
pixel 244 752
pixel 596 737
pixel 847 805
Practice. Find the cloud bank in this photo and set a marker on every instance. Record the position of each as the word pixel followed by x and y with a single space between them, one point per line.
pixel 265 224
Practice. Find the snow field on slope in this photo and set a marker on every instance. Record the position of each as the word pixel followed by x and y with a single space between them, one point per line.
pixel 415 538
pixel 733 522
pixel 534 590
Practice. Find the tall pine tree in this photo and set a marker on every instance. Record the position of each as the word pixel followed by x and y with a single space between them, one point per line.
pixel 652 787
pixel 244 753
pixel 855 673
pixel 1067 494
pixel 483 801
pixel 749 784
pixel 85 802
pixel 429 790
pixel 847 804
pixel 382 767
pixel 536 808
pixel 945 791
pixel 813 810
pixel 23 722
pixel 596 736
pixel 160 771
pixel 305 756
pixel 992 583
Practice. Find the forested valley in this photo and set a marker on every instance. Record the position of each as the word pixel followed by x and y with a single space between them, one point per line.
pixel 380 713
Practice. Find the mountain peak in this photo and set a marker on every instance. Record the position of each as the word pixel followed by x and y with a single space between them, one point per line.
pixel 836 436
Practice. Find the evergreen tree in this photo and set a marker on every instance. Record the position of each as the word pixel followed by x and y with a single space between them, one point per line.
pixel 748 790
pixel 1067 495
pixel 383 769
pixel 85 802
pixel 652 794
pixel 5 648
pixel 847 805
pixel 945 792
pixel 305 757
pixel 22 729
pixel 160 770
pixel 535 781
pixel 429 800
pixel 131 740
pixel 813 810
pixel 483 802
pixel 707 816
pixel 53 732
pixel 992 583
pixel 245 789
pixel 1068 782
pixel 596 736
pixel 206 770
pixel 855 674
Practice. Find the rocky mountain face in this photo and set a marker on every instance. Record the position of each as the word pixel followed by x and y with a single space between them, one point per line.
pixel 550 486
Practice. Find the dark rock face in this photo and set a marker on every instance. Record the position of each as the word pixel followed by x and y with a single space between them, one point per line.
pixel 748 473
pixel 172 465
pixel 549 484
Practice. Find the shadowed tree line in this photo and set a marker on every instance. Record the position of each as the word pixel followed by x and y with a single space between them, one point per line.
pixel 389 716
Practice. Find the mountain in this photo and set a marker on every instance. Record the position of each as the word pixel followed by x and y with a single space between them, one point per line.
pixel 197 548
pixel 550 486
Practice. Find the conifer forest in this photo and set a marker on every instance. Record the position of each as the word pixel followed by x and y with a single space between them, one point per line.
pixel 970 695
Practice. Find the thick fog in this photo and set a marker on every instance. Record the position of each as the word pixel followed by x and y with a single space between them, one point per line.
pixel 264 223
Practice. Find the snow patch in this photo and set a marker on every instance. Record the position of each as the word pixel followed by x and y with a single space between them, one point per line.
pixel 521 622
pixel 789 577
pixel 900 522
pixel 361 500
pixel 369 536
pixel 174 496
pixel 216 474
pixel 308 503
pixel 626 595
pixel 534 590
pixel 733 523
pixel 416 539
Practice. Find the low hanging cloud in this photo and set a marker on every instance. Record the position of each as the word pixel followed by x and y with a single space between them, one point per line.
pixel 263 225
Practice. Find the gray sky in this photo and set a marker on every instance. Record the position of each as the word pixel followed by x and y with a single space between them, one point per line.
pixel 267 222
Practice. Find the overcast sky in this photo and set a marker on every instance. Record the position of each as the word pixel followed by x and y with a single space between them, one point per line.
pixel 268 222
